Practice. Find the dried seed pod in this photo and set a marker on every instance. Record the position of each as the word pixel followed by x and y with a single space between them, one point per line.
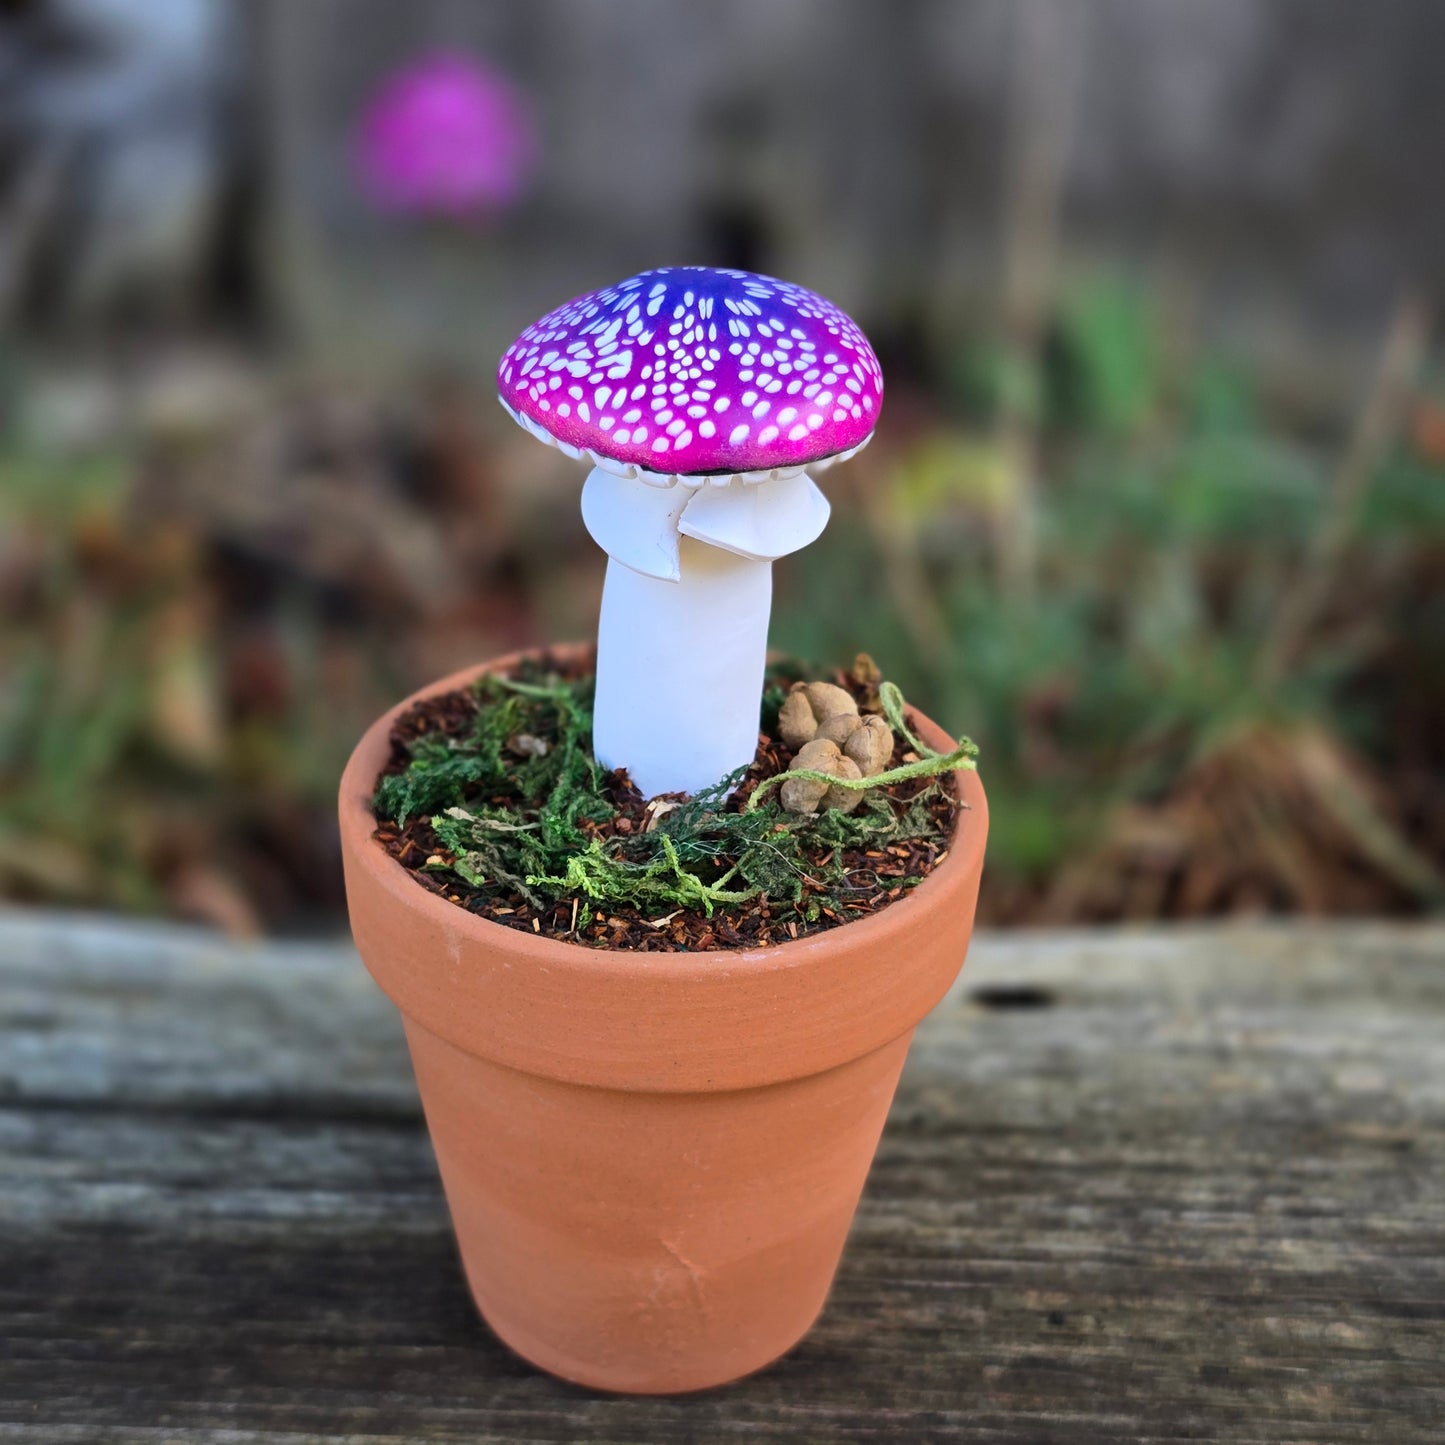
pixel 866 670
pixel 868 676
pixel 870 745
pixel 796 720
pixel 804 795
pixel 827 700
pixel 844 799
pixel 808 706
pixel 839 728
pixel 819 753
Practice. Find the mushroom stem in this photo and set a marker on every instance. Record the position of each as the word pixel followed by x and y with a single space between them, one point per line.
pixel 680 669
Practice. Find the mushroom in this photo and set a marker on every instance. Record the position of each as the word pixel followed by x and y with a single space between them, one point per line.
pixel 702 398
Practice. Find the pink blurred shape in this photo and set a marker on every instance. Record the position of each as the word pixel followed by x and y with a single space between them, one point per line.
pixel 447 135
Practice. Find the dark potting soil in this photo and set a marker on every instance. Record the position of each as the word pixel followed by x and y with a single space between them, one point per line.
pixel 866 878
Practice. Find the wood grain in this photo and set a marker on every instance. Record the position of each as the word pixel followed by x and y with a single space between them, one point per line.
pixel 1136 1187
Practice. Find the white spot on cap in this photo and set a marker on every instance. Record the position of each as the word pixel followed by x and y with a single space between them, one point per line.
pixel 739 434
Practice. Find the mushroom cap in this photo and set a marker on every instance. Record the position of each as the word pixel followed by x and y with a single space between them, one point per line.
pixel 694 372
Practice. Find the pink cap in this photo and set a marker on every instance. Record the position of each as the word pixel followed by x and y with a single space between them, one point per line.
pixel 694 371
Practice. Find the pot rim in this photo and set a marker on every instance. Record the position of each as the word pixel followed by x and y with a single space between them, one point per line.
pixel 369 758
pixel 785 975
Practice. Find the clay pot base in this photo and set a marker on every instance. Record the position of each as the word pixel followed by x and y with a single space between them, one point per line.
pixel 679 1294
pixel 652 1160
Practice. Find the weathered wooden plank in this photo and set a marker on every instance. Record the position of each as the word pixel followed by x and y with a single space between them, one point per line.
pixel 1137 1187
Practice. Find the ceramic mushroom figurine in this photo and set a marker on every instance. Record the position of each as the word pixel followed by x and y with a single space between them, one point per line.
pixel 703 398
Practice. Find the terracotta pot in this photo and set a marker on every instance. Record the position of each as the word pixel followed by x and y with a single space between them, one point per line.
pixel 651 1160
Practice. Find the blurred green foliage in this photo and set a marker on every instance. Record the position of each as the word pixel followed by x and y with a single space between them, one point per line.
pixel 1080 555
pixel 128 779
pixel 73 694
pixel 1104 374
pixel 1171 524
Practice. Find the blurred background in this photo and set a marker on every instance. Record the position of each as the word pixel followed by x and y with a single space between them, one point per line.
pixel 1156 512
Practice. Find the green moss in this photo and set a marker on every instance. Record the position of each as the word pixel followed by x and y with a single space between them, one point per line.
pixel 519 805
